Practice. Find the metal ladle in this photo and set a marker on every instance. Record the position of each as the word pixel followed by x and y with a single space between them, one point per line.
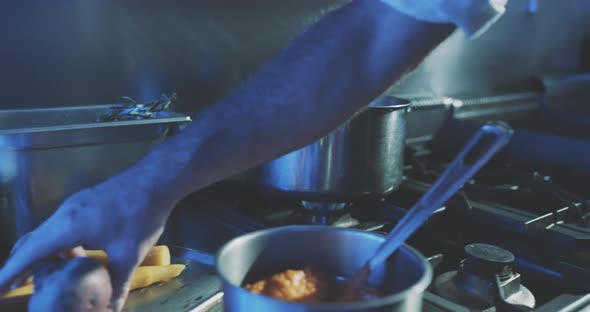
pixel 479 150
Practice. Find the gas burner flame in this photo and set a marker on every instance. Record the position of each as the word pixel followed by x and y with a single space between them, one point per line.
pixel 323 206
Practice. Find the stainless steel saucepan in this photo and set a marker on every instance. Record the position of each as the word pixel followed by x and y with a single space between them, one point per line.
pixel 335 251
pixel 362 157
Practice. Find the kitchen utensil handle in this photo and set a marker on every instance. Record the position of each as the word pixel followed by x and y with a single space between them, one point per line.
pixel 490 139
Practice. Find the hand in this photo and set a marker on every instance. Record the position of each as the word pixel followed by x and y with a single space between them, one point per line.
pixel 119 216
pixel 473 16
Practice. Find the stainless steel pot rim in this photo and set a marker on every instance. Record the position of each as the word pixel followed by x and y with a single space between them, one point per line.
pixel 389 102
pixel 418 287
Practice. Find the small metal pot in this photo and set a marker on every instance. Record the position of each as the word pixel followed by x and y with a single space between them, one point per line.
pixel 334 251
pixel 362 157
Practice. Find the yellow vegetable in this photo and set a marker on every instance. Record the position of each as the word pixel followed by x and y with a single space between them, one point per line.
pixel 21 291
pixel 148 275
pixel 98 255
pixel 158 255
pixel 142 277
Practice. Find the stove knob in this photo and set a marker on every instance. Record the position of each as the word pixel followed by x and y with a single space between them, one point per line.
pixel 487 261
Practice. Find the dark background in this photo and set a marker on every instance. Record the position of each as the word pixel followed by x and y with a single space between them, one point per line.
pixel 80 52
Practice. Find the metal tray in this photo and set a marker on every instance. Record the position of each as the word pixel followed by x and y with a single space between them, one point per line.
pixel 198 288
pixel 48 154
pixel 76 125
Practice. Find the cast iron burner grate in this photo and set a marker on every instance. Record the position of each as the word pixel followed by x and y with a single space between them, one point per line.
pixel 544 194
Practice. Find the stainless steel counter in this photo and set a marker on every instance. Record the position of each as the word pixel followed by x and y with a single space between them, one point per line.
pixel 48 154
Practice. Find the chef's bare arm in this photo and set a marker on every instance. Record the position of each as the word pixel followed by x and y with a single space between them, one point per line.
pixel 322 78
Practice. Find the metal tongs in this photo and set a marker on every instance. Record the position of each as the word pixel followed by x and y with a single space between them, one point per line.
pixel 490 139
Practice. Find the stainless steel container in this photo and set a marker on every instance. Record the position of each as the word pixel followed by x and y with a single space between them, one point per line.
pixel 48 154
pixel 362 157
pixel 335 251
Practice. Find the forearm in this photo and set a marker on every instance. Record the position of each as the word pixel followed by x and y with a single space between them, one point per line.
pixel 321 79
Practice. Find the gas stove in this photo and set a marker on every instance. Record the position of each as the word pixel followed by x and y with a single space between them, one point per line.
pixel 515 238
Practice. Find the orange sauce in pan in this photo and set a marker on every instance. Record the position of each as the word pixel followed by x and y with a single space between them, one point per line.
pixel 307 286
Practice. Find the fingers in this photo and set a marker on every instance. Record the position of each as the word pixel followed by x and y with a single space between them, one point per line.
pixel 121 267
pixel 35 246
pixel 77 251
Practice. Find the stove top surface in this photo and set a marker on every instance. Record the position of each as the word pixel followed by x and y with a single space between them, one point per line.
pixel 537 212
pixel 525 218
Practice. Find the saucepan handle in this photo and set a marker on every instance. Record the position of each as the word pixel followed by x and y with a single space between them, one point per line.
pixel 490 139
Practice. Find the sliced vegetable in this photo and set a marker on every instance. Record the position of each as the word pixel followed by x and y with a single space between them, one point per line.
pixel 148 275
pixel 158 255
pixel 142 277
pixel 21 291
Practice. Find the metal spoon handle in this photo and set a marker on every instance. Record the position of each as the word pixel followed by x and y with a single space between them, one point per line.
pixel 479 150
